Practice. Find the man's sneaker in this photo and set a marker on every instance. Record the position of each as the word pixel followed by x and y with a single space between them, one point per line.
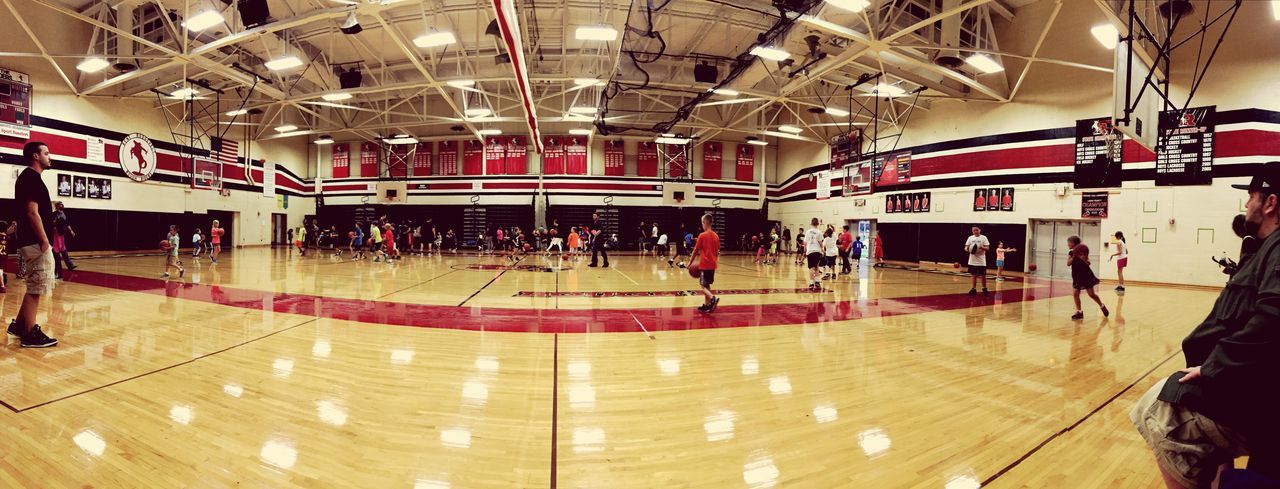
pixel 37 339
pixel 715 301
pixel 1078 315
pixel 704 308
pixel 164 275
pixel 973 291
pixel 14 330
pixel 1105 312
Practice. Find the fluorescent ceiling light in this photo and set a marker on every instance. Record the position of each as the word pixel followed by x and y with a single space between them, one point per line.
pixel 477 112
pixel 758 142
pixel 582 109
pixel 286 128
pixel 728 92
pixel 324 140
pixel 284 63
pixel 790 128
pixel 490 132
pixel 668 135
pixel 435 39
pixel 889 90
pixel 672 140
pixel 334 97
pixel 93 65
pixel 770 53
pixel 238 112
pixel 571 117
pixel 184 93
pixel 580 132
pixel 984 63
pixel 596 33
pixel 1106 34
pixel 834 112
pixel 850 5
pixel 461 83
pixel 1275 9
pixel 203 20
pixel 401 140
pixel 587 82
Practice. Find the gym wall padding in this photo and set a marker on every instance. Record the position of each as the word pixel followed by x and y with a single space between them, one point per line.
pixel 944 242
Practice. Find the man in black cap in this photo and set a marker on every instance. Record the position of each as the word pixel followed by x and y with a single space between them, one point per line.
pixel 1222 406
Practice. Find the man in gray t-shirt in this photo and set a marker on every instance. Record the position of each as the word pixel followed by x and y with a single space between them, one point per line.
pixel 976 246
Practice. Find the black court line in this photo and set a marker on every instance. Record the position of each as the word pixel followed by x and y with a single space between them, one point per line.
pixel 1078 422
pixel 495 279
pixel 432 279
pixel 555 400
pixel 162 369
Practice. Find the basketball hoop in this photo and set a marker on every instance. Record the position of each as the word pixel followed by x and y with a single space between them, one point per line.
pixel 1115 145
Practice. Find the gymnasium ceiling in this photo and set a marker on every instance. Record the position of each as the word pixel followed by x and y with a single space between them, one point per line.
pixel 647 72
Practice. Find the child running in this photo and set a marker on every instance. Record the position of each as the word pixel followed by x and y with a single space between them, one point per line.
pixel 357 242
pixel 707 251
pixel 171 253
pixel 1082 277
pixel 375 242
pixel 196 242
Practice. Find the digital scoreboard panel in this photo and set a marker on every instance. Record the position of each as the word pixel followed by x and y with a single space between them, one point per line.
pixel 1184 148
pixel 15 104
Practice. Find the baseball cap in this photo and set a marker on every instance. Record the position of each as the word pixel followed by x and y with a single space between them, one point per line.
pixel 1265 179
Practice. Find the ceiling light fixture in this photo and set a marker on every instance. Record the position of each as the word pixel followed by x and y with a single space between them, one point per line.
pixel 582 109
pixel 758 142
pixel 238 112
pixel 435 39
pixel 351 25
pixel 93 65
pixel 489 132
pixel 285 63
pixel 325 139
pixel 587 82
pixel 203 20
pixel 984 63
pixel 770 53
pixel 580 132
pixel 728 92
pixel 1106 34
pixel 461 83
pixel 335 97
pixel 666 140
pixel 185 93
pixel 477 112
pixel 854 6
pixel 790 128
pixel 834 112
pixel 1275 9
pixel 286 128
pixel 596 33
pixel 889 90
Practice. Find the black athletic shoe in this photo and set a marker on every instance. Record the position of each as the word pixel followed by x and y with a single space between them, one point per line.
pixel 592 265
pixel 985 291
pixel 704 308
pixel 1105 312
pixel 1077 316
pixel 37 339
pixel 973 291
pixel 14 330
pixel 715 301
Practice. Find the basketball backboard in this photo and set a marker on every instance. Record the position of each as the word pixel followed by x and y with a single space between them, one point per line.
pixel 1136 101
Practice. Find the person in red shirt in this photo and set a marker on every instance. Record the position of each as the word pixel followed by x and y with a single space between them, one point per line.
pixel 707 251
pixel 844 242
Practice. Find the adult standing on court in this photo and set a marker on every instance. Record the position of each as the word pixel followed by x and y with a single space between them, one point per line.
pixel 786 239
pixel 215 240
pixel 598 240
pixel 845 242
pixel 707 251
pixel 644 237
pixel 976 246
pixel 35 220
pixel 1217 408
pixel 813 252
pixel 1122 259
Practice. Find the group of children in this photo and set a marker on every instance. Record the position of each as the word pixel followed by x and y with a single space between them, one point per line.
pixel 199 243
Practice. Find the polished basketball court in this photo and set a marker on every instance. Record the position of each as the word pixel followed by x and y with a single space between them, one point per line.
pixel 274 370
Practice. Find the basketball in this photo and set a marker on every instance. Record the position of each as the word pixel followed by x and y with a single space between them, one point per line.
pixel 351 234
pixel 564 256
pixel 973 250
pixel 694 271
pixel 956 264
pixel 165 245
pixel 1031 267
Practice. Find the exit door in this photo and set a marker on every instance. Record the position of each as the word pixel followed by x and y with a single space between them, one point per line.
pixel 1049 246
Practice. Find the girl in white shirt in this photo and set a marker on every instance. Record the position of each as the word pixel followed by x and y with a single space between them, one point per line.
pixel 1122 259
pixel 830 250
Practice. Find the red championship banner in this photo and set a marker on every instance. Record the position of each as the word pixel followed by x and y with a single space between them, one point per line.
pixel 647 159
pixel 473 158
pixel 398 161
pixel 746 167
pixel 712 157
pixel 422 159
pixel 677 161
pixel 517 156
pixel 368 159
pixel 614 158
pixel 575 159
pixel 495 155
pixel 553 155
pixel 448 157
pixel 341 160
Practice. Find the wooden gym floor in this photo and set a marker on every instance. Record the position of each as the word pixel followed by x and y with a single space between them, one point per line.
pixel 272 370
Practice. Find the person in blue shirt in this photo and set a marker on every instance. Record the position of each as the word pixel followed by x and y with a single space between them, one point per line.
pixel 856 251
pixel 357 242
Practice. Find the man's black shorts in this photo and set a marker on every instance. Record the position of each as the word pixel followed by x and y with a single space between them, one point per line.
pixel 815 260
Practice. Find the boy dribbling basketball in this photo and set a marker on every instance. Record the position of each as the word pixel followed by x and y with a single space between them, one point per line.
pixel 171 253
pixel 707 251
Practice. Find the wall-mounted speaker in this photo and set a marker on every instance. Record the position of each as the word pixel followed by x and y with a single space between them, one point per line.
pixel 253 13
pixel 705 73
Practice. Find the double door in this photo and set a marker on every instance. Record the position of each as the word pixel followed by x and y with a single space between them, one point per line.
pixel 1049 246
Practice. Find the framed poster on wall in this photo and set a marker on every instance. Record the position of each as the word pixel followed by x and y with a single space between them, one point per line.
pixel 979 199
pixel 81 187
pixel 106 188
pixel 64 185
pixel 924 201
pixel 993 199
pixel 1093 205
pixel 888 205
pixel 1006 199
pixel 95 188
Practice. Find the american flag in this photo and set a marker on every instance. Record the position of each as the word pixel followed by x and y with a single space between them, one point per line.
pixel 225 151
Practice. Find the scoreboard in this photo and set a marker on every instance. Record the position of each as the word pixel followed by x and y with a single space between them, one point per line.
pixel 1184 150
pixel 15 104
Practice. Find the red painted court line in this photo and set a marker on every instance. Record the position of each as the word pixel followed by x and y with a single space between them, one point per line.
pixel 528 320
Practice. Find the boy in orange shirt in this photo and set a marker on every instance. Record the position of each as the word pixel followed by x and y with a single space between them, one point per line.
pixel 707 251
pixel 575 242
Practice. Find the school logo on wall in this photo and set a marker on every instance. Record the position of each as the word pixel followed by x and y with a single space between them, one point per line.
pixel 137 157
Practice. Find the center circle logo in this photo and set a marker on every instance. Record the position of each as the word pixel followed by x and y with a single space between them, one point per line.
pixel 137 157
